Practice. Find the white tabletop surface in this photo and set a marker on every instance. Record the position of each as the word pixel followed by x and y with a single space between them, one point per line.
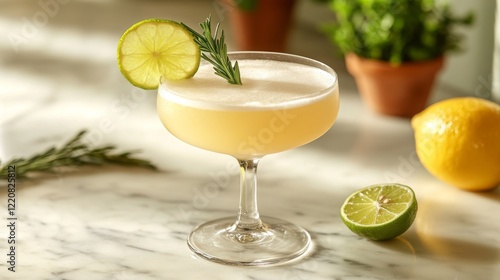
pixel 128 223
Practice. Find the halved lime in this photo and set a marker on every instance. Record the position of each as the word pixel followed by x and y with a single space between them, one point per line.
pixel 153 48
pixel 380 212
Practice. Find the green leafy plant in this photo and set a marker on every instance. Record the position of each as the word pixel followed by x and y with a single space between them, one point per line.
pixel 396 31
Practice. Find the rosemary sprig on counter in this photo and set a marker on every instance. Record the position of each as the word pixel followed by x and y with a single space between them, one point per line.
pixel 72 154
pixel 217 49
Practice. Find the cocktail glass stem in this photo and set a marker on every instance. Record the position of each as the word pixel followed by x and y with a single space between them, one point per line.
pixel 248 215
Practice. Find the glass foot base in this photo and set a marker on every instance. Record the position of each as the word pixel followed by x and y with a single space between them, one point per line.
pixel 277 241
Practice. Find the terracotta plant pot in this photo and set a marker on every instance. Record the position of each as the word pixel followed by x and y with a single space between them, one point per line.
pixel 264 28
pixel 394 90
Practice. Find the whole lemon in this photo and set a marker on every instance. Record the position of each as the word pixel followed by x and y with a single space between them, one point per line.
pixel 458 141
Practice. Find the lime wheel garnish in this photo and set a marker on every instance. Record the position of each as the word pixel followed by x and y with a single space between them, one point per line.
pixel 155 48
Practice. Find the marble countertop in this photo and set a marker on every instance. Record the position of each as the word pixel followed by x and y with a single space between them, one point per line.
pixel 118 223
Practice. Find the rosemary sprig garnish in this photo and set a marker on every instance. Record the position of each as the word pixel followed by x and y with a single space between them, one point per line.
pixel 73 153
pixel 217 51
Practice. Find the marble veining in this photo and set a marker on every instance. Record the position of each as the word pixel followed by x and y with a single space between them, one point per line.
pixel 128 223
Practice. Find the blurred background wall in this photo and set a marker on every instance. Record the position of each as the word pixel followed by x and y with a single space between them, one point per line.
pixel 471 71
pixel 98 24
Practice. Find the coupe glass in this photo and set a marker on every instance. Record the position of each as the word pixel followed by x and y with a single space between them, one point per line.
pixel 291 101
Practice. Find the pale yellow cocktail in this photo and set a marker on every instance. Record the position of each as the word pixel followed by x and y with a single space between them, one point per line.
pixel 285 101
pixel 281 105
